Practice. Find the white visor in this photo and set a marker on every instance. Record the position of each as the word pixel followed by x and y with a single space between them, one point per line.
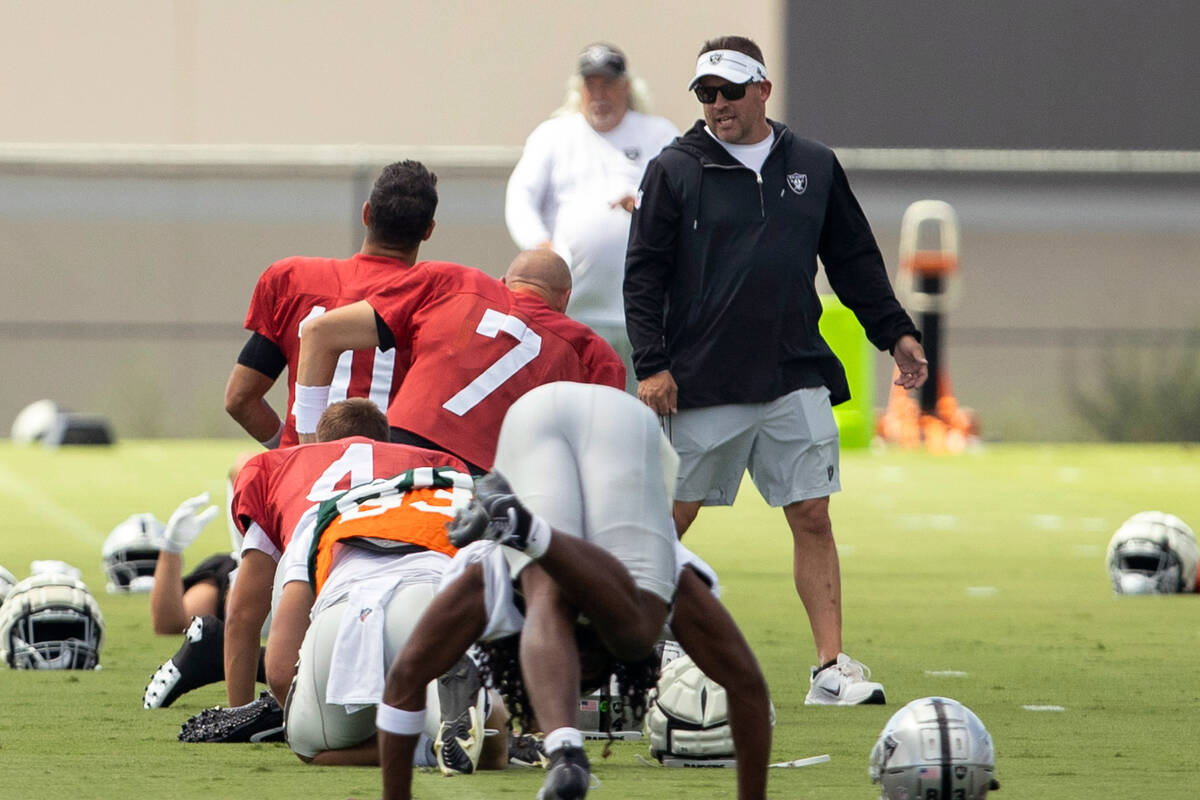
pixel 729 64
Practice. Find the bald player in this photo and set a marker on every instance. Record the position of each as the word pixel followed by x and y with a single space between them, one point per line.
pixel 477 344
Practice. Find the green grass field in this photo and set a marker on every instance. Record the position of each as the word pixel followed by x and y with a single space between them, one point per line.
pixel 988 564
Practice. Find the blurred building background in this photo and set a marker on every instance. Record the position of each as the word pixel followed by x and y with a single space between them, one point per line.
pixel 155 157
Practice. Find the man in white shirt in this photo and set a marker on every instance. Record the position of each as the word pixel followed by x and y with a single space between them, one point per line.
pixel 573 189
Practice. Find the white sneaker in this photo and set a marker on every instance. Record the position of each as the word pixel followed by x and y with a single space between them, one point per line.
pixel 843 683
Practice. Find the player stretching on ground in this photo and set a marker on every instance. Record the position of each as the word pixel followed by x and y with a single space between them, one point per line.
pixel 587 465
pixel 364 567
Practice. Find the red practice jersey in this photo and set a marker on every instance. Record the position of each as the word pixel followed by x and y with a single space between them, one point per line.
pixel 292 291
pixel 275 488
pixel 476 347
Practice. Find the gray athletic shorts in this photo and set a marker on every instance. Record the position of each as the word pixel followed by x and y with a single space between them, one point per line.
pixel 312 725
pixel 589 460
pixel 789 445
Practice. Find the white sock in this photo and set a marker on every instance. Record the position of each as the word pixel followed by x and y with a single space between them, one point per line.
pixel 563 737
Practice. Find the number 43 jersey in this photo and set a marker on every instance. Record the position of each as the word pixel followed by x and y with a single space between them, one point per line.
pixel 476 347
pixel 277 488
pixel 292 291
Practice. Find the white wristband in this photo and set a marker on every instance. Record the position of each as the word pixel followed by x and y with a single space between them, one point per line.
pixel 309 405
pixel 273 442
pixel 538 541
pixel 390 719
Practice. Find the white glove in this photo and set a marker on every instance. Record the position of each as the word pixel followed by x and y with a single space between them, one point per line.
pixel 185 523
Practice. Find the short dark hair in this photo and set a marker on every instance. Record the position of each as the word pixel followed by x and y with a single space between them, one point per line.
pixel 355 416
pixel 739 44
pixel 402 204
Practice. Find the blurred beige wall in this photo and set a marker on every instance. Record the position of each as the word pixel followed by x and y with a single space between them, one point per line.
pixel 380 72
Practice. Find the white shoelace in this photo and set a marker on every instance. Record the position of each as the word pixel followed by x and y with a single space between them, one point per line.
pixel 851 669
pixel 854 669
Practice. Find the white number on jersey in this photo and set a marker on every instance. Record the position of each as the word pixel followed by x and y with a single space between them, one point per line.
pixel 357 462
pixel 381 370
pixel 529 344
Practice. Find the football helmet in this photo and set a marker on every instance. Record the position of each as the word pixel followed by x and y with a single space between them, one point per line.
pixel 688 715
pixel 51 622
pixel 130 553
pixel 934 748
pixel 1153 553
pixel 7 582
pixel 35 422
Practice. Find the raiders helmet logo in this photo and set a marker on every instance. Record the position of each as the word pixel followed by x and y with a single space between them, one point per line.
pixel 714 58
pixel 797 182
pixel 632 153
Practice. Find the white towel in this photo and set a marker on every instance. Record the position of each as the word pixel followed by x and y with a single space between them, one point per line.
pixel 358 668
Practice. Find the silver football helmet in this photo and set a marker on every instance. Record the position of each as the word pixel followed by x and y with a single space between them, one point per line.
pixel 130 553
pixel 35 422
pixel 934 748
pixel 1153 553
pixel 51 622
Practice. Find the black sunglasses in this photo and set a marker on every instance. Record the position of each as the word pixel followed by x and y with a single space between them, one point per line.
pixel 730 91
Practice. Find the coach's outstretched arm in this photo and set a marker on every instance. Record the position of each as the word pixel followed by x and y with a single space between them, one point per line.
pixel 322 340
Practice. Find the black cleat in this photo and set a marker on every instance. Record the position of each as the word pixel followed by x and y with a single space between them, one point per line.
pixel 568 777
pixel 527 750
pixel 460 738
pixel 260 720
pixel 199 662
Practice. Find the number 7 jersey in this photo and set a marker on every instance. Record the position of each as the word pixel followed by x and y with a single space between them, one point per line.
pixel 476 347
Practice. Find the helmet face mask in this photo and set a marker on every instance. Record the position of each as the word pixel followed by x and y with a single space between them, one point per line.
pixel 1153 553
pixel 54 638
pixel 934 748
pixel 1146 567
pixel 131 570
pixel 130 553
pixel 51 621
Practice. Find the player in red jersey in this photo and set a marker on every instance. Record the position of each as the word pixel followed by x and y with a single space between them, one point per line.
pixel 290 293
pixel 274 491
pixel 477 344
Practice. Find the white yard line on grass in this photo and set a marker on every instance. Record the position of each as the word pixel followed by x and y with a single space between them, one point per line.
pixel 45 507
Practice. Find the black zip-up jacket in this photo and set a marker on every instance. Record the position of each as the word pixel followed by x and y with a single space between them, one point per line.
pixel 720 271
